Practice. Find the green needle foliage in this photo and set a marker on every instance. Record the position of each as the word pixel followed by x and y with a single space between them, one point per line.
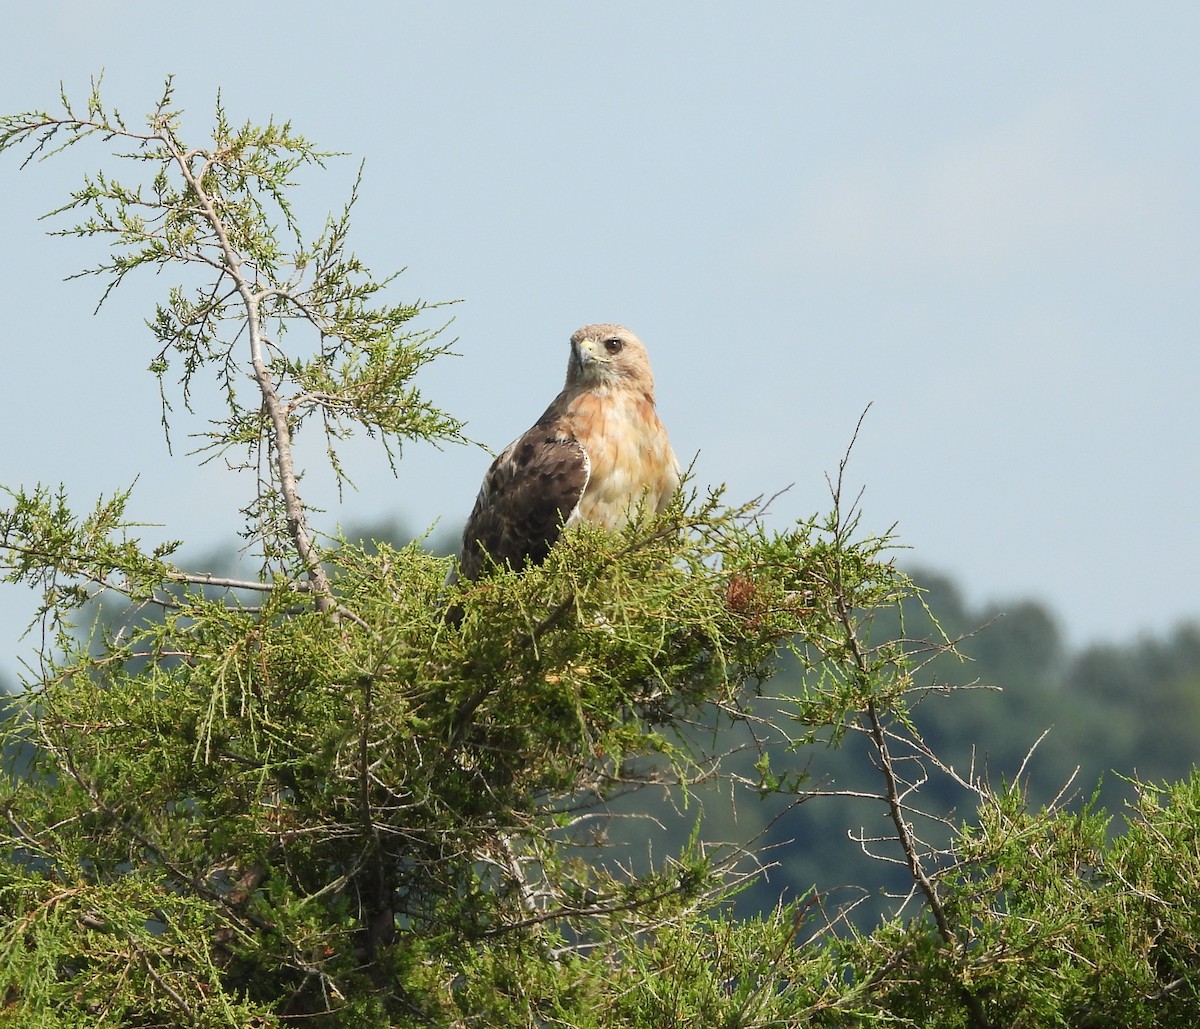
pixel 317 796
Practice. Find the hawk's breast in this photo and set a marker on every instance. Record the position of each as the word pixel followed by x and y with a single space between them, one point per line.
pixel 630 456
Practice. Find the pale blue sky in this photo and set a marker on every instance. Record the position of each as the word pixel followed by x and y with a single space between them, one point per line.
pixel 984 220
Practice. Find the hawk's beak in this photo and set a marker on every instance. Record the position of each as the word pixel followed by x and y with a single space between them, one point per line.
pixel 583 353
pixel 587 352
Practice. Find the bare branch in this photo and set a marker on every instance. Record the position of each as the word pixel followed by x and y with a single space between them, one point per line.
pixel 297 520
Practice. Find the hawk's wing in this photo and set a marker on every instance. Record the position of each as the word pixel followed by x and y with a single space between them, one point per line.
pixel 531 489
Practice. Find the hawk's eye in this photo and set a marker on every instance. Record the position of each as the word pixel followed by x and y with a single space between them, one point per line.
pixel 613 345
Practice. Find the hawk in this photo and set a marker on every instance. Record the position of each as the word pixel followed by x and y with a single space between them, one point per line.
pixel 597 455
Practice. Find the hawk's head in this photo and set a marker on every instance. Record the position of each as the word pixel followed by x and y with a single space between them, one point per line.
pixel 609 355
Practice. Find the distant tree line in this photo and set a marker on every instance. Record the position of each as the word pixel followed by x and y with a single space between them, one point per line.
pixel 1112 714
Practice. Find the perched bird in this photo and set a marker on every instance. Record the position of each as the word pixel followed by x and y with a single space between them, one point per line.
pixel 597 455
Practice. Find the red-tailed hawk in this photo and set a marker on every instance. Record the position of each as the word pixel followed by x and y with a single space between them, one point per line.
pixel 596 455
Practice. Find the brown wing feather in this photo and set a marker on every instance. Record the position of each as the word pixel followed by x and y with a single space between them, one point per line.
pixel 528 493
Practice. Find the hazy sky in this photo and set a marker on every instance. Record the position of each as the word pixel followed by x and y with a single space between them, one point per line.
pixel 981 220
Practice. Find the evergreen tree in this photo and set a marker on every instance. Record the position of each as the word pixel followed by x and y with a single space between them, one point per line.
pixel 311 795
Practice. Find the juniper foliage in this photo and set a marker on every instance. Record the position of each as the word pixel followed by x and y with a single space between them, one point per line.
pixel 312 795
